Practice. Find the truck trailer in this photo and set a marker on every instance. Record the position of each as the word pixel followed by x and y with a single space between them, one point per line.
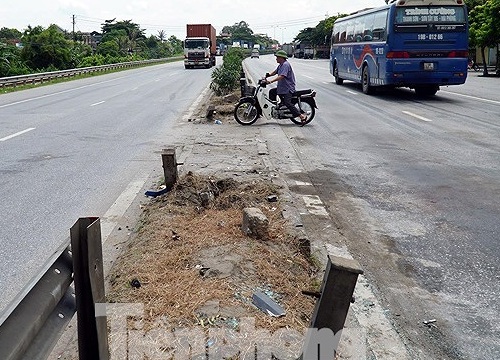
pixel 199 46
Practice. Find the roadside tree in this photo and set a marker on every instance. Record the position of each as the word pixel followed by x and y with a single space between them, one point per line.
pixel 46 49
pixel 485 27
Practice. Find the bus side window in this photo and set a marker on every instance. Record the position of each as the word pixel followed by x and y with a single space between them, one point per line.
pixel 350 32
pixel 378 34
pixel 367 33
pixel 358 29
pixel 343 37
pixel 380 25
pixel 336 34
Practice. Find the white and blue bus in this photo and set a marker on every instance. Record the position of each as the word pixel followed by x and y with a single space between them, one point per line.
pixel 420 44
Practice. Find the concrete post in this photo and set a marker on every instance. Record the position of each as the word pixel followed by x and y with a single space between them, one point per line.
pixel 169 167
pixel 331 309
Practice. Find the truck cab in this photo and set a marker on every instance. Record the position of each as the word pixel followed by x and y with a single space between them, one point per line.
pixel 197 52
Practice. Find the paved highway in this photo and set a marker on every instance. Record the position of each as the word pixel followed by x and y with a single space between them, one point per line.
pixel 69 150
pixel 413 187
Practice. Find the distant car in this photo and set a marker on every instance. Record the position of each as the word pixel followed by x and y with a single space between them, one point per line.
pixel 255 54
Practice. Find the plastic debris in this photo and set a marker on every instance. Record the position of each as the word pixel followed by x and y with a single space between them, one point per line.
pixel 272 198
pixel 267 305
pixel 135 283
pixel 218 122
pixel 430 323
pixel 204 270
pixel 155 193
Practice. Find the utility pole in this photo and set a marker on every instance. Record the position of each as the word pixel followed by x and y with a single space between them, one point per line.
pixel 74 21
pixel 274 28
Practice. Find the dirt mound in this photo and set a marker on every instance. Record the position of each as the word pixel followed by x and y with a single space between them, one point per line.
pixel 189 260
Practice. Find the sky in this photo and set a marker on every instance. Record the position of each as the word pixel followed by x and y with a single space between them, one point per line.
pixel 279 19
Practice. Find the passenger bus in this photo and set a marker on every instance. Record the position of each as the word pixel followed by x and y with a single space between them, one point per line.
pixel 420 44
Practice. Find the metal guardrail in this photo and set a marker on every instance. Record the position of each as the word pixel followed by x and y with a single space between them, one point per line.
pixel 52 75
pixel 32 324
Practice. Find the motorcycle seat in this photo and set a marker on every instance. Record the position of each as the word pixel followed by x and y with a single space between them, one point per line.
pixel 302 92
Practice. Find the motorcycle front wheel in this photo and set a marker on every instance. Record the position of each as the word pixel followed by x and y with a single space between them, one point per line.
pixel 307 108
pixel 246 113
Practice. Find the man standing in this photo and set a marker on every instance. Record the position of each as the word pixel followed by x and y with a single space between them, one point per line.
pixel 286 83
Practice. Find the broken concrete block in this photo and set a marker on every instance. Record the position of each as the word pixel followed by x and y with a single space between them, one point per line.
pixel 255 223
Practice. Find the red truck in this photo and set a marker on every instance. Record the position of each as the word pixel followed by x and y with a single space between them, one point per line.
pixel 199 46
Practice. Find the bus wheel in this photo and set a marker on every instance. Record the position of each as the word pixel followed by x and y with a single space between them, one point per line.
pixel 338 79
pixel 426 90
pixel 365 81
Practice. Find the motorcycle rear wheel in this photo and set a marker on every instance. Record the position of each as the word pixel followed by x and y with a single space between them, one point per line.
pixel 307 108
pixel 246 113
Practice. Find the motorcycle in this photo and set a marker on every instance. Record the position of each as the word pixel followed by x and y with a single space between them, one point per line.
pixel 471 65
pixel 261 102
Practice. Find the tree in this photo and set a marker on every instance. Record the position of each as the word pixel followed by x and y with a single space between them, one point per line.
pixel 161 36
pixel 9 34
pixel 10 61
pixel 176 44
pixel 485 27
pixel 80 51
pixel 321 34
pixel 128 35
pixel 109 48
pixel 46 49
pixel 239 31
pixel 132 30
pixel 305 35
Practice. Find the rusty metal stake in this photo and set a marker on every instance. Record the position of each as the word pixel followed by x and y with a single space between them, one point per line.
pixel 89 288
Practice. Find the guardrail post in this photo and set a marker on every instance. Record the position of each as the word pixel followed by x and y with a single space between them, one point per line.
pixel 89 288
pixel 169 167
pixel 331 309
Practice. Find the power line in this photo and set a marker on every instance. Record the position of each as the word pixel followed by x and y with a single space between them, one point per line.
pixel 264 25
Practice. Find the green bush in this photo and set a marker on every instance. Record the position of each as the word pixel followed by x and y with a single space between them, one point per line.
pixel 226 77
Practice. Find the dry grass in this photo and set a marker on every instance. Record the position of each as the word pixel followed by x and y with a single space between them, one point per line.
pixel 182 232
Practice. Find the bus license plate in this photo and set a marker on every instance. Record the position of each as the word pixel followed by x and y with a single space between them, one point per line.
pixel 428 66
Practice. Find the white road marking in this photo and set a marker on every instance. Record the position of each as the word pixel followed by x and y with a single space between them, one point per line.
pixel 120 206
pixel 314 205
pixel 16 134
pixel 472 97
pixel 98 103
pixel 302 183
pixel 58 93
pixel 309 77
pixel 417 116
pixel 352 92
